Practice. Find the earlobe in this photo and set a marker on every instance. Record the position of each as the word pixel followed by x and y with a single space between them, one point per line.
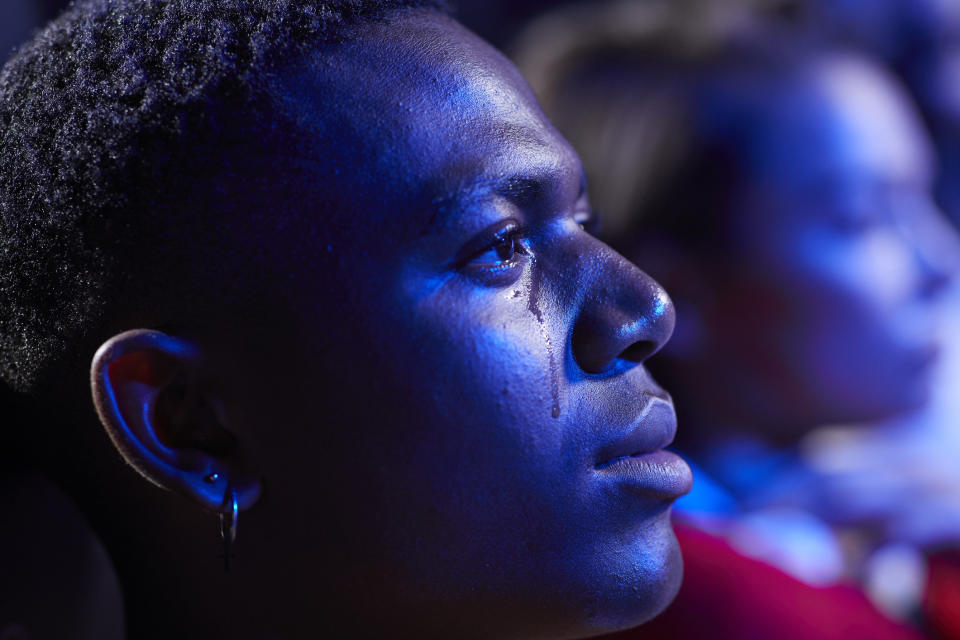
pixel 146 392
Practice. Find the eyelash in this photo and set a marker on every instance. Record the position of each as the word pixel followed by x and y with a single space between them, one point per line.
pixel 588 219
pixel 506 242
pixel 506 246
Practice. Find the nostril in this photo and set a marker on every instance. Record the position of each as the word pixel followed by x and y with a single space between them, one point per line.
pixel 638 351
pixel 588 349
pixel 621 325
pixel 597 346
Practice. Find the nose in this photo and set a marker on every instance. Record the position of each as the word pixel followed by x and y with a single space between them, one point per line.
pixel 625 316
pixel 936 247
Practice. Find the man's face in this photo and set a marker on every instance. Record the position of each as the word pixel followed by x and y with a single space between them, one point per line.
pixel 454 422
pixel 847 246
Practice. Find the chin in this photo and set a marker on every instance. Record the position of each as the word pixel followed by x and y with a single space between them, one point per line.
pixel 640 579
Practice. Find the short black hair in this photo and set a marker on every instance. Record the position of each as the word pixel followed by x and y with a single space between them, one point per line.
pixel 97 113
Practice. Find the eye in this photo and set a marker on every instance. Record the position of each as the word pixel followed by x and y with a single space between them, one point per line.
pixel 588 219
pixel 505 249
pixel 494 251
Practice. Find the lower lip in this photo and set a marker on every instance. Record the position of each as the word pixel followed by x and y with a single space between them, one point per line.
pixel 658 475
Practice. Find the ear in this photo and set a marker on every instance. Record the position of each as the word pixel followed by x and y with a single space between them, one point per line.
pixel 165 422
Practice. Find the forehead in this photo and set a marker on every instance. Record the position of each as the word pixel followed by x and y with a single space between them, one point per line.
pixel 842 118
pixel 418 108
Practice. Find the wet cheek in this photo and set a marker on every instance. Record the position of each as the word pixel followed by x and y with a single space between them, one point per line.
pixel 487 362
pixel 515 371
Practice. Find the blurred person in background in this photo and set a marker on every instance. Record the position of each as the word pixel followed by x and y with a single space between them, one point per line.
pixel 781 189
pixel 920 41
pixel 903 459
pixel 900 477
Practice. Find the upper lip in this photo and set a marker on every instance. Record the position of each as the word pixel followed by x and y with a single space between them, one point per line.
pixel 653 428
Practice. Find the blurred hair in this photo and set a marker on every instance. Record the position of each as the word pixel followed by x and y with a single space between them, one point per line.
pixel 658 98
pixel 109 118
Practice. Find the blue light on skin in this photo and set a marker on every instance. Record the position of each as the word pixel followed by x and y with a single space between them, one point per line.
pixel 480 422
pixel 122 352
pixel 661 304
pixel 428 435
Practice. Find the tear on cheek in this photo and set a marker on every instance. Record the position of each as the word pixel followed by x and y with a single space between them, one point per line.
pixel 533 304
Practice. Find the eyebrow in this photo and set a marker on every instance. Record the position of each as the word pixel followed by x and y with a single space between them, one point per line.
pixel 524 189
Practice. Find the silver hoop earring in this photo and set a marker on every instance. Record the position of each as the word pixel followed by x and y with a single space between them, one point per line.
pixel 228 529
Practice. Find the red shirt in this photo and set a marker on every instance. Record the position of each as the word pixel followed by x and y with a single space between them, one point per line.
pixel 941 606
pixel 728 595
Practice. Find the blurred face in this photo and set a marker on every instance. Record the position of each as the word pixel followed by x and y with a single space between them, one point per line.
pixel 842 249
pixel 464 440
